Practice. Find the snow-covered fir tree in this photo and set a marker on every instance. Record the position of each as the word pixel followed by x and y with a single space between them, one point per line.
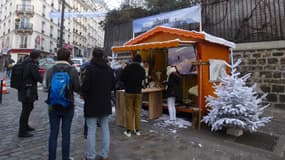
pixel 235 104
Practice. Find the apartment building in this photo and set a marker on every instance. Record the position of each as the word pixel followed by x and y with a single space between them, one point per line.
pixel 26 24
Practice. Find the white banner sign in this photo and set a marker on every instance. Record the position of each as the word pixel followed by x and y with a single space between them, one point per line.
pixel 77 14
pixel 173 18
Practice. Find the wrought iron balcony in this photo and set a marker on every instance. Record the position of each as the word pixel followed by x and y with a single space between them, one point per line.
pixel 25 9
pixel 24 27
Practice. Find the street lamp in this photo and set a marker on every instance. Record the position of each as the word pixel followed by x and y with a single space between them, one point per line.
pixel 61 25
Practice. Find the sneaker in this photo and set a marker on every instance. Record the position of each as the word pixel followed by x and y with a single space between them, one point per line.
pixel 84 158
pixel 137 132
pixel 70 158
pixel 168 121
pixel 127 133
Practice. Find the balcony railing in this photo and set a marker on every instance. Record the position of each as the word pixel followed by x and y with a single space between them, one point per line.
pixel 25 9
pixel 24 27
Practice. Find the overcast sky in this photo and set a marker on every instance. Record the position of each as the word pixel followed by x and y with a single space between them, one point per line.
pixel 113 3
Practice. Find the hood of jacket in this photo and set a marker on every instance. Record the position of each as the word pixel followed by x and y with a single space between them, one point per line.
pixel 99 62
pixel 30 60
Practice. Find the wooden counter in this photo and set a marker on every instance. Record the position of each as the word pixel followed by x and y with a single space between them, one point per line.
pixel 154 96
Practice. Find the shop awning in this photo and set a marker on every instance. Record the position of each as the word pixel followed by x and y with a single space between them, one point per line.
pixel 152 45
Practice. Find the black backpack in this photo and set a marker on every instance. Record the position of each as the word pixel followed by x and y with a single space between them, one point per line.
pixel 17 75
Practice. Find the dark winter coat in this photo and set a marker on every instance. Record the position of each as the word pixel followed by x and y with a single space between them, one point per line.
pixel 74 78
pixel 119 83
pixel 173 85
pixel 96 89
pixel 9 62
pixel 132 76
pixel 29 91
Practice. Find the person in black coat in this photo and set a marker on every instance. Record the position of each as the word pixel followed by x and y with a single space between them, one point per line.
pixel 9 65
pixel 98 83
pixel 133 76
pixel 28 93
pixel 172 91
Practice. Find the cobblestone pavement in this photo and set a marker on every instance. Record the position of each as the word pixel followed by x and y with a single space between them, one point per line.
pixel 158 142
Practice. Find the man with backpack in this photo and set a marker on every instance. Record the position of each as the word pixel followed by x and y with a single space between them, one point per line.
pixel 98 83
pixel 25 77
pixel 62 80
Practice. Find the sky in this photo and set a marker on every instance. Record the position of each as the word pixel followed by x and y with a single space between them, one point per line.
pixel 113 3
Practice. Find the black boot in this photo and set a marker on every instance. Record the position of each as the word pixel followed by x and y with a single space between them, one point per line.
pixel 25 134
pixel 29 128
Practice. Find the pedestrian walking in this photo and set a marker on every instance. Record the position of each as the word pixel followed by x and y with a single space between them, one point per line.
pixel 172 91
pixel 62 80
pixel 28 91
pixel 9 65
pixel 133 76
pixel 98 83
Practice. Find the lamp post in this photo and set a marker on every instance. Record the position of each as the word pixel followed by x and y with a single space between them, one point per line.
pixel 61 25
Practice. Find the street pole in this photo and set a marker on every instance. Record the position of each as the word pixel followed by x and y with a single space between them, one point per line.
pixel 62 24
pixel 1 83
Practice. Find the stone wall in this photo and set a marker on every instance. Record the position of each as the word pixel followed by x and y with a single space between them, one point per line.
pixel 266 62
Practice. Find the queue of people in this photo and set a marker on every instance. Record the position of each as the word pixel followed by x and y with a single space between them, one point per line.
pixel 96 87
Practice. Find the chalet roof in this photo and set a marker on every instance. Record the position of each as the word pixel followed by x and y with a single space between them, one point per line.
pixel 180 32
pixel 151 45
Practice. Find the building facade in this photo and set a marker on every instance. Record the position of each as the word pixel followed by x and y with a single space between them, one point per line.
pixel 26 24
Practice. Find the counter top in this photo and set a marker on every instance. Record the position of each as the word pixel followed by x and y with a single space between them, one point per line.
pixel 147 90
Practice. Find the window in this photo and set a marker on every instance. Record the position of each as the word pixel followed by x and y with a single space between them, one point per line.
pixel 51 45
pixel 24 40
pixel 44 10
pixel 43 43
pixel 25 22
pixel 43 27
pixel 51 31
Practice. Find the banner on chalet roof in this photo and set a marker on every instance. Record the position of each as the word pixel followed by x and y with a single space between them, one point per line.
pixel 170 19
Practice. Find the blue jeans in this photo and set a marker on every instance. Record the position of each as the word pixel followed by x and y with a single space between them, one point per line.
pixel 8 73
pixel 54 121
pixel 91 136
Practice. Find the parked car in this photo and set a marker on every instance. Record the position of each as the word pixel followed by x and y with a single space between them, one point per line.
pixel 44 65
pixel 78 62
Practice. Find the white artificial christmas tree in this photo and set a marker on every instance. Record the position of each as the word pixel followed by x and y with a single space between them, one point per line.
pixel 235 105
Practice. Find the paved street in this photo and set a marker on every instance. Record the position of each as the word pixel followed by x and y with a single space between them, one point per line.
pixel 160 141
